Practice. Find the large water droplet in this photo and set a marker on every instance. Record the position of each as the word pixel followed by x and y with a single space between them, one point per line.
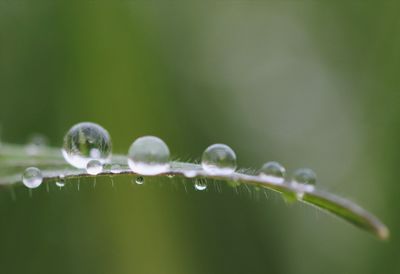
pixel 273 172
pixel 139 180
pixel 199 185
pixel 148 155
pixel 219 159
pixel 94 167
pixel 32 177
pixel 85 142
pixel 304 176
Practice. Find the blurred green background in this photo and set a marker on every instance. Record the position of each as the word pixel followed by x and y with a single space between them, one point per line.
pixel 306 83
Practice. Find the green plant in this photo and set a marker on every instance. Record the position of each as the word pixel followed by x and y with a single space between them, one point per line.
pixel 14 159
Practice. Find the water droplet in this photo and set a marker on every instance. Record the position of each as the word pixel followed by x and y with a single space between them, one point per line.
pixel 273 172
pixel 304 176
pixel 199 185
pixel 219 159
pixel 32 177
pixel 61 182
pixel 94 167
pixel 189 173
pixel 139 180
pixel 148 155
pixel 85 142
pixel 36 143
pixel 115 168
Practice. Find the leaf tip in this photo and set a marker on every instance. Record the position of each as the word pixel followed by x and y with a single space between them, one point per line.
pixel 383 233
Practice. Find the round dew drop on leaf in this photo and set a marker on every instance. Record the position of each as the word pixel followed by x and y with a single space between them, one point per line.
pixel 304 176
pixel 273 172
pixel 85 142
pixel 219 159
pixel 32 177
pixel 149 155
pixel 139 180
pixel 94 167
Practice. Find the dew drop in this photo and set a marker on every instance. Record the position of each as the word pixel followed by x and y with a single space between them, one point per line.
pixel 148 155
pixel 85 142
pixel 273 172
pixel 115 168
pixel 32 177
pixel 139 180
pixel 36 143
pixel 94 167
pixel 61 182
pixel 219 159
pixel 304 176
pixel 199 185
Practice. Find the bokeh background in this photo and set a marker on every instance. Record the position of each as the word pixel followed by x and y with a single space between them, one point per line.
pixel 306 83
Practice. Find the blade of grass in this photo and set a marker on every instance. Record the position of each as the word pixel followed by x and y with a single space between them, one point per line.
pixel 14 159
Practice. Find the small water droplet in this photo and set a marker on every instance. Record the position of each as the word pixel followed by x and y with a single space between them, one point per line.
pixel 94 167
pixel 148 155
pixel 32 177
pixel 273 172
pixel 36 143
pixel 139 180
pixel 199 185
pixel 219 159
pixel 115 168
pixel 61 182
pixel 304 176
pixel 189 173
pixel 85 142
